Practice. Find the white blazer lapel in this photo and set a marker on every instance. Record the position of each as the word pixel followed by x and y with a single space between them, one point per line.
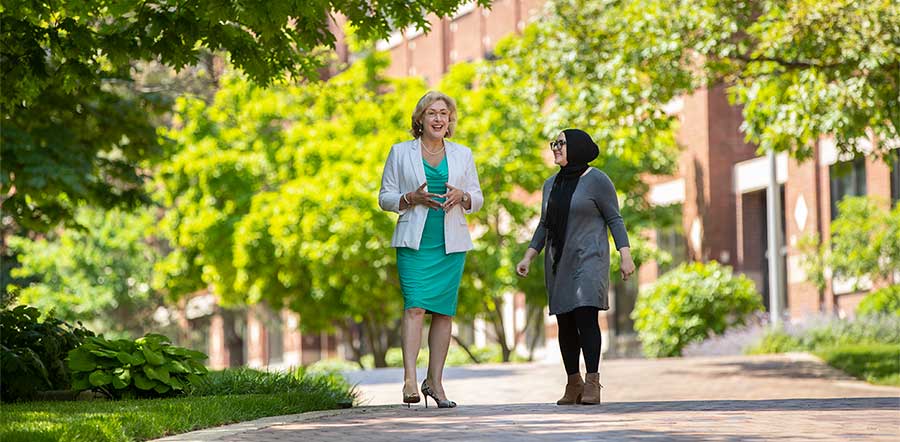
pixel 415 158
pixel 452 167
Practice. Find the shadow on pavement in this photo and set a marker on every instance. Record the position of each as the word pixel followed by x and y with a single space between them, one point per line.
pixel 771 369
pixel 816 404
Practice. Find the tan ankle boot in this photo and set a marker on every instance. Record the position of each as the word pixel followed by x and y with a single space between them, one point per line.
pixel 591 389
pixel 574 388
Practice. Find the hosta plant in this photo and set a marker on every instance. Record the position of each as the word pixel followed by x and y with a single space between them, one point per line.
pixel 147 366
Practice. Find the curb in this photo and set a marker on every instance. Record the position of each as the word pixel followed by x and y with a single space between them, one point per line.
pixel 216 433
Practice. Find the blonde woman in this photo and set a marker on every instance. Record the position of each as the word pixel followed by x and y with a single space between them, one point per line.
pixel 432 183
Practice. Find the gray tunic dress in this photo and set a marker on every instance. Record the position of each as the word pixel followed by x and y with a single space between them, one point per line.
pixel 582 277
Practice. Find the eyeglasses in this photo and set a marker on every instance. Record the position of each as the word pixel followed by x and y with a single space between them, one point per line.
pixel 444 115
pixel 557 144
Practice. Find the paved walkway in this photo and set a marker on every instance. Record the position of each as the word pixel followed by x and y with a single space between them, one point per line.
pixel 756 398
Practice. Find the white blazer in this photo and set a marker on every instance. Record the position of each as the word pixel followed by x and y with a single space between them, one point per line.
pixel 404 172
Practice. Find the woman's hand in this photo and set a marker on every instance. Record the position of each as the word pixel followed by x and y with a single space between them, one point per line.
pixel 627 266
pixel 422 196
pixel 454 196
pixel 523 266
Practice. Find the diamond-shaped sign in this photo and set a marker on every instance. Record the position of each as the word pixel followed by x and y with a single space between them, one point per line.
pixel 696 235
pixel 801 212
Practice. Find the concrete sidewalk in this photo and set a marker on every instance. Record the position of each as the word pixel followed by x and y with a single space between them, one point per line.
pixel 751 398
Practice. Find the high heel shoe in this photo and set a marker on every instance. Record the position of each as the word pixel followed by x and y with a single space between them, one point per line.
pixel 411 398
pixel 441 403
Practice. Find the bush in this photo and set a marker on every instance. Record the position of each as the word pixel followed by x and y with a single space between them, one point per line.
pixel 32 352
pixel 148 366
pixel 690 303
pixel 884 301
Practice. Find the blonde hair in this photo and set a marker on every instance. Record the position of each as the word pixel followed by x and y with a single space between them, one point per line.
pixel 417 128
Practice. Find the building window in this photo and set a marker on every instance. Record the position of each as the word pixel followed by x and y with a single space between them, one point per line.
pixel 895 176
pixel 671 241
pixel 848 178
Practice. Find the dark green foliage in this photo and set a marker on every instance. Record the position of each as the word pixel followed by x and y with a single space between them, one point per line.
pixel 33 352
pixel 78 130
pixel 146 367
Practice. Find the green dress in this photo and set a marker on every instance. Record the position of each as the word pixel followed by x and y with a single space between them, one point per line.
pixel 429 277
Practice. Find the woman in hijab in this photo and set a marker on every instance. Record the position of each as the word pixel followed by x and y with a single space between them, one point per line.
pixel 579 205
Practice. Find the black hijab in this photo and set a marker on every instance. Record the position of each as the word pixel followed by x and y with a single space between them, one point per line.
pixel 580 150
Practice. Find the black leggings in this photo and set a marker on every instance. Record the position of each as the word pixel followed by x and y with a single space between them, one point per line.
pixel 579 331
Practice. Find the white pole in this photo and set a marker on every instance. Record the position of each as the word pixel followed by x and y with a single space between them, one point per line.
pixel 776 241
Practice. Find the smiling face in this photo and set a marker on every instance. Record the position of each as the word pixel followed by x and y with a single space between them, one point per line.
pixel 558 147
pixel 436 120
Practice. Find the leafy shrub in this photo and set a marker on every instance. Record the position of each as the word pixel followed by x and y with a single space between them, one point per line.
pixel 147 366
pixel 690 303
pixel 884 301
pixel 33 352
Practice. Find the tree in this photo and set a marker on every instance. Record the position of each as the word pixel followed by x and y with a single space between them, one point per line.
pixel 272 198
pixel 800 69
pixel 99 274
pixel 75 129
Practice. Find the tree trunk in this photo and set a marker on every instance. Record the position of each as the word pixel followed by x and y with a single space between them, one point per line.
pixel 465 348
pixel 354 343
pixel 377 343
pixel 537 324
pixel 499 329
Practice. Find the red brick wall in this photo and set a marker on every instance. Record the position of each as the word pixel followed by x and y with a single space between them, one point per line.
pixel 693 164
pixel 465 37
pixel 217 351
pixel 803 297
pixel 427 52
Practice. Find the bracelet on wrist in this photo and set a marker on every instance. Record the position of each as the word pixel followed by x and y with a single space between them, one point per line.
pixel 405 198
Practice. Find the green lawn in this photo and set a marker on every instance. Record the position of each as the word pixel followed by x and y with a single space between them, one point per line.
pixel 141 419
pixel 875 363
pixel 212 403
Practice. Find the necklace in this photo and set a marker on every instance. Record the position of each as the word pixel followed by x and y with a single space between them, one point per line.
pixel 424 147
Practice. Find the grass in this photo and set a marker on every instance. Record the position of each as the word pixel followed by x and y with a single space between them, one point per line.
pixel 225 397
pixel 867 347
pixel 874 363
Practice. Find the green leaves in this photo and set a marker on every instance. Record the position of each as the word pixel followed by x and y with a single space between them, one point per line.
pixel 146 366
pixel 98 274
pixel 864 244
pixel 32 352
pixel 690 303
pixel 79 131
